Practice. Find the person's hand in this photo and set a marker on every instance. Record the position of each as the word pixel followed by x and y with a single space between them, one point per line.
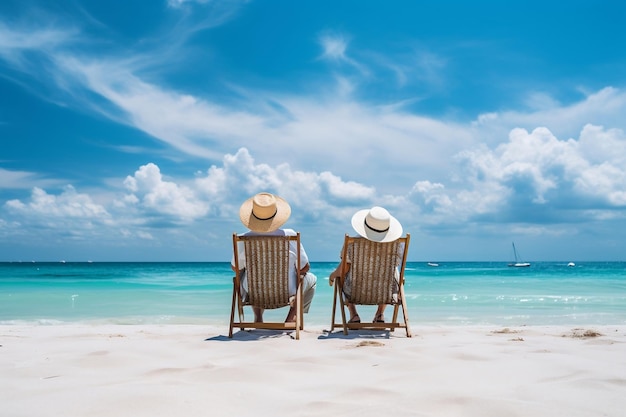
pixel 305 269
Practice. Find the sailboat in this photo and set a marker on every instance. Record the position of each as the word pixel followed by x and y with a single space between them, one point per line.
pixel 518 263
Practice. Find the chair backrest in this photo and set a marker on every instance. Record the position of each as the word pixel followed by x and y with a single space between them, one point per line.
pixel 374 267
pixel 267 265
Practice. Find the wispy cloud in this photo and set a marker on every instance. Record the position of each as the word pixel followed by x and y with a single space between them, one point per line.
pixel 334 49
pixel 16 179
pixel 197 15
pixel 15 42
pixel 413 67
pixel 179 3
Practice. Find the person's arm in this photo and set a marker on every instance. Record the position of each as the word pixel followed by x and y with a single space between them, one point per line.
pixel 304 259
pixel 232 264
pixel 334 275
pixel 242 259
pixel 337 272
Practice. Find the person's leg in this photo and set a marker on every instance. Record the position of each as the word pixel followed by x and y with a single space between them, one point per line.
pixel 380 313
pixel 354 315
pixel 309 283
pixel 258 314
pixel 291 316
pixel 347 290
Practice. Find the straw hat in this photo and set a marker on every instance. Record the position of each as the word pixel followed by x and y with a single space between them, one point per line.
pixel 377 224
pixel 264 212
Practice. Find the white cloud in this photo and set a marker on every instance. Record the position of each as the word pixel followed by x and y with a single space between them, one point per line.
pixel 154 195
pixel 48 219
pixel 535 174
pixel 162 210
pixel 605 107
pixel 350 190
pixel 240 177
pixel 67 205
pixel 600 145
pixel 334 47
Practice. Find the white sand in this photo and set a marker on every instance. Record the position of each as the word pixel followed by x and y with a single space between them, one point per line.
pixel 177 370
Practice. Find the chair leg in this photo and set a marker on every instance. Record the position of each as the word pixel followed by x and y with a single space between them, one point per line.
pixel 232 311
pixel 342 306
pixel 332 317
pixel 405 313
pixel 298 311
pixel 394 318
pixel 240 306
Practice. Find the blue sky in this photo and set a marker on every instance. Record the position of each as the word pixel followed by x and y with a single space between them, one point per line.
pixel 133 130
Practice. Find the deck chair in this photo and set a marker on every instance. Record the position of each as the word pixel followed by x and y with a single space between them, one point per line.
pixel 372 268
pixel 267 265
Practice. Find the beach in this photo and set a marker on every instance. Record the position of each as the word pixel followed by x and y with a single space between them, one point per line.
pixel 191 370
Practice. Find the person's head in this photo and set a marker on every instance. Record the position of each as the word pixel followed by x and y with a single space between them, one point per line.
pixel 376 224
pixel 264 212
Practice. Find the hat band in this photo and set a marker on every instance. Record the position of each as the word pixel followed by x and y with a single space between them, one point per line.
pixel 376 230
pixel 266 218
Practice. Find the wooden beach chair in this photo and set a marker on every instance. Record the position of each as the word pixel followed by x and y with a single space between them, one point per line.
pixel 372 267
pixel 267 266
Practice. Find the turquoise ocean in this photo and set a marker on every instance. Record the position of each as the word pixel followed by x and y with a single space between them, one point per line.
pixel 453 293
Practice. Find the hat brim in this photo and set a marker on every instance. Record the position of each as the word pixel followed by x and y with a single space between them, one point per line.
pixel 283 211
pixel 393 233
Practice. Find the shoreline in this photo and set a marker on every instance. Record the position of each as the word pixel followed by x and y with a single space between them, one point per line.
pixel 191 369
pixel 321 322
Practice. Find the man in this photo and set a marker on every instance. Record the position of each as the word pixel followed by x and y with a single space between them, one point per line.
pixel 264 214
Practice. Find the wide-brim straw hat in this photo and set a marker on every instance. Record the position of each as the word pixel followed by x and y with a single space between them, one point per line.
pixel 264 212
pixel 376 224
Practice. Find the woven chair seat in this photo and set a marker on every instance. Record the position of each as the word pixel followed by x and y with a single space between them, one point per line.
pixel 375 271
pixel 268 262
